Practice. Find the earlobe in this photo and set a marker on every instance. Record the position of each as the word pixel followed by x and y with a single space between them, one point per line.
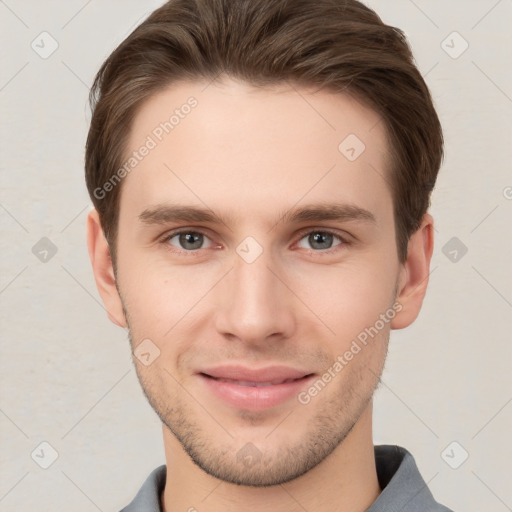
pixel 413 280
pixel 99 254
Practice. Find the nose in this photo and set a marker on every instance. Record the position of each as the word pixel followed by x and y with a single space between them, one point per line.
pixel 255 306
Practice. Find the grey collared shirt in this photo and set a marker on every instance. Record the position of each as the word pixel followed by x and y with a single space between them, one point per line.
pixel 403 488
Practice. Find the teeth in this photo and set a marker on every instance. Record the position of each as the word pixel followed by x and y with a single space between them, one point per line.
pixel 257 384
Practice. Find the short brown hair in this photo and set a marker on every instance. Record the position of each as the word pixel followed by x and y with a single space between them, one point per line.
pixel 340 45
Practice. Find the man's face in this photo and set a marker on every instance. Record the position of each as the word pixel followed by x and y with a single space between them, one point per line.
pixel 255 295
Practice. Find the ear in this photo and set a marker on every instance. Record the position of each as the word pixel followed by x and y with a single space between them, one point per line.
pixel 99 253
pixel 414 274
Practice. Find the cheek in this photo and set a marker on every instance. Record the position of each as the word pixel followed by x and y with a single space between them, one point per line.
pixel 348 298
pixel 160 297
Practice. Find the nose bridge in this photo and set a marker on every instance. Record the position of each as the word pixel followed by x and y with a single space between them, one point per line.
pixel 254 282
pixel 256 304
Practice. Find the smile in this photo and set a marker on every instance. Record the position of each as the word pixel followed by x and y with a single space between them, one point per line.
pixel 254 389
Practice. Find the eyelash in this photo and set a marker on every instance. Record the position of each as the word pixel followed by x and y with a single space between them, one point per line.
pixel 343 240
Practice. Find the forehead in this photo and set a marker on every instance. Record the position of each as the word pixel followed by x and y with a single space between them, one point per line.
pixel 234 147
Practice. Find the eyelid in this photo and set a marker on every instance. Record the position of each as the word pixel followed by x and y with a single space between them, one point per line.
pixel 319 229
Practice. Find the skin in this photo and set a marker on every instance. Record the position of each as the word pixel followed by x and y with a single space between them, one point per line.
pixel 250 155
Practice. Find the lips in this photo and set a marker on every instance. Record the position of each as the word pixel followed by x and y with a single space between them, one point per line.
pixel 254 389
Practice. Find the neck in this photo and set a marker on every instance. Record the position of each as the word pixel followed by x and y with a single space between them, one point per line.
pixel 346 480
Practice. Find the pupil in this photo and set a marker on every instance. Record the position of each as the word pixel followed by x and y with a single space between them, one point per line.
pixel 320 240
pixel 191 240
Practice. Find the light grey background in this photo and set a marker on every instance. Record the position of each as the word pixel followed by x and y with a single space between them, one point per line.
pixel 65 371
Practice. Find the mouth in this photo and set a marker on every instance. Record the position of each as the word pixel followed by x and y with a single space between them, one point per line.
pixel 254 389
pixel 255 384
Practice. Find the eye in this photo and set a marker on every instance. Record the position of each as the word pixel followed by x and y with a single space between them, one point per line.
pixel 320 240
pixel 192 241
pixel 187 240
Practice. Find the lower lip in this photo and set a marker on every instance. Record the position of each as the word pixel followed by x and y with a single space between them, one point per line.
pixel 252 397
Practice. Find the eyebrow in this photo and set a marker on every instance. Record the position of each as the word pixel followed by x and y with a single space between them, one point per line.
pixel 164 213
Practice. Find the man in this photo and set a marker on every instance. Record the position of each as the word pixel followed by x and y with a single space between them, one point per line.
pixel 261 175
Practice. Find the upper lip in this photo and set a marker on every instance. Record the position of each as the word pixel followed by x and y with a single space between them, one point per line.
pixel 273 374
